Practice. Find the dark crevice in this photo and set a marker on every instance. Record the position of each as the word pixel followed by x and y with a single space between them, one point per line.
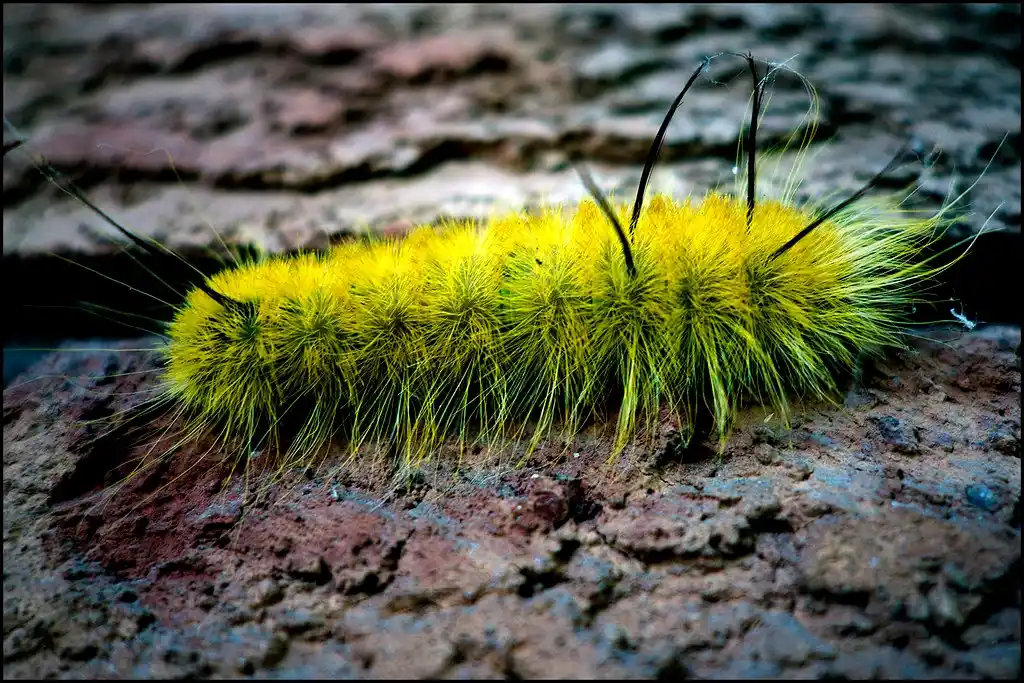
pixel 859 599
pixel 49 297
pixel 319 573
pixel 698 23
pixel 220 50
pixel 591 87
pixel 85 176
pixel 982 285
pixel 534 581
pixel 771 525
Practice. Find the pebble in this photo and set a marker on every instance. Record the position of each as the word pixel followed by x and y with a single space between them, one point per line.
pixel 945 612
pixel 982 497
pixel 266 593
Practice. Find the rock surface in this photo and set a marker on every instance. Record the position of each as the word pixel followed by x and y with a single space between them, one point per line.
pixel 878 538
pixel 289 124
pixel 828 548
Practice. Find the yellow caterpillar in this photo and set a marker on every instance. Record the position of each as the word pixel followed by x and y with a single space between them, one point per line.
pixel 500 332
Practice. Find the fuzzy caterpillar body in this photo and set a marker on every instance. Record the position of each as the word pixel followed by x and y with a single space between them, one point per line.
pixel 502 330
pixel 534 317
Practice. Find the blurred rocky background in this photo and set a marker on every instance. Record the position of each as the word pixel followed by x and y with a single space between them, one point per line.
pixel 289 126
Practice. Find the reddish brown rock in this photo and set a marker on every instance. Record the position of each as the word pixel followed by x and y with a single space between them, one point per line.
pixel 700 568
pixel 443 58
